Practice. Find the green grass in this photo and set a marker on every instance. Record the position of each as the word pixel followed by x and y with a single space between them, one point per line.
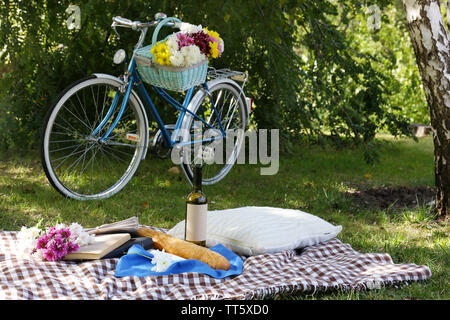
pixel 313 179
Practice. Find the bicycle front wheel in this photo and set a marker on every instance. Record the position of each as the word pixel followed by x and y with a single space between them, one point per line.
pixel 77 162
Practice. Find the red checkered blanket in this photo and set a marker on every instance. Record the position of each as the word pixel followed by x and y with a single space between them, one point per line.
pixel 329 265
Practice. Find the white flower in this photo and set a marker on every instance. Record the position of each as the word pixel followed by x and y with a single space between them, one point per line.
pixel 80 237
pixel 192 55
pixel 26 234
pixel 75 229
pixel 190 28
pixel 60 226
pixel 222 44
pixel 27 240
pixel 85 239
pixel 162 260
pixel 172 43
pixel 177 59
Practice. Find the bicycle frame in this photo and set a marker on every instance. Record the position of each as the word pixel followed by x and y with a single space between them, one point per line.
pixel 134 79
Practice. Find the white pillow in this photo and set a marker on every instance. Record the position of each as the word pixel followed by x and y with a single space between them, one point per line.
pixel 256 230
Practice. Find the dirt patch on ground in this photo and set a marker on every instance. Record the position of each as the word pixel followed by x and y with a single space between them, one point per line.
pixel 392 197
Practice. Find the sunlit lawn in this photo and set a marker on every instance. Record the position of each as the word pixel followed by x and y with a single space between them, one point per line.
pixel 312 179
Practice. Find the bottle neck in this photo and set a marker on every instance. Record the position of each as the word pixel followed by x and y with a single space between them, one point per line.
pixel 197 183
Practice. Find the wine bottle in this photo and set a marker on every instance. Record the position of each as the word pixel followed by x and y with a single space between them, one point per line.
pixel 196 211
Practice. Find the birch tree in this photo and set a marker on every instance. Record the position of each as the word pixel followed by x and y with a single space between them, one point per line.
pixel 430 41
pixel 447 15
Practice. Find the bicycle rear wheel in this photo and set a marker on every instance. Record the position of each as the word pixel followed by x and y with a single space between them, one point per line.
pixel 77 162
pixel 219 156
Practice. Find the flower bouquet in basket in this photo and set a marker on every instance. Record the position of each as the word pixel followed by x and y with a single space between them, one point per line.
pixel 180 61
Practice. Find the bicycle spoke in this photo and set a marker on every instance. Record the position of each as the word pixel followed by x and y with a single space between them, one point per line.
pixel 99 120
pixel 61 126
pixel 232 114
pixel 73 146
pixel 117 150
pixel 78 118
pixel 128 145
pixel 223 109
pixel 95 103
pixel 66 157
pixel 82 108
pixel 115 156
pixel 61 141
pixel 124 130
pixel 75 108
pixel 94 152
pixel 77 160
pixel 90 161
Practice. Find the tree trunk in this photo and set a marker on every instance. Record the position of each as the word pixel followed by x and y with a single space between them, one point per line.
pixel 431 46
pixel 448 16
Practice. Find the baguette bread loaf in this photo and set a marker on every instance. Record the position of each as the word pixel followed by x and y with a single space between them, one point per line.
pixel 185 249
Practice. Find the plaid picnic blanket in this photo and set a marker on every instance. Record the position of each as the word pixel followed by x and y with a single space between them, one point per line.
pixel 329 265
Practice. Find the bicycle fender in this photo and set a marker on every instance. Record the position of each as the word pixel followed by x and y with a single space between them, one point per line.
pixel 200 94
pixel 135 96
pixel 239 88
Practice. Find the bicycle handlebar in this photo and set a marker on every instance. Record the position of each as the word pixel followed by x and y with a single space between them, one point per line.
pixel 140 26
pixel 136 25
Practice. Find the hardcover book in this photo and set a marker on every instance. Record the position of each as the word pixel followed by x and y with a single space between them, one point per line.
pixel 103 244
pixel 146 243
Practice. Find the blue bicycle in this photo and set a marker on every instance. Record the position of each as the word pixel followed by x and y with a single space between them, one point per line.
pixel 97 131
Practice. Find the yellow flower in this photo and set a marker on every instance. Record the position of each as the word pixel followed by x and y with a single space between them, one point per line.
pixel 213 34
pixel 161 53
pixel 214 49
pixel 153 49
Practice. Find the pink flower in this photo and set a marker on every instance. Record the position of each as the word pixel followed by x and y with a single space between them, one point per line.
pixel 51 231
pixel 57 247
pixel 42 241
pixel 48 255
pixel 56 243
pixel 72 246
pixel 64 232
pixel 184 40
pixel 219 45
pixel 201 40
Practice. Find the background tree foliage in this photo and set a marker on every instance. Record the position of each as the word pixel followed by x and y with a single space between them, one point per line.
pixel 316 71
